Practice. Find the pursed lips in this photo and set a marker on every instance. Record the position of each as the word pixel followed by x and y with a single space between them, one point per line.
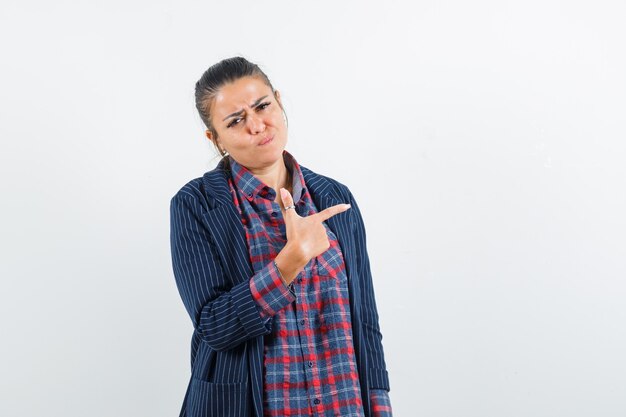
pixel 266 140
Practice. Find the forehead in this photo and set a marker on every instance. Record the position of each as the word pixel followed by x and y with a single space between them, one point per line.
pixel 239 94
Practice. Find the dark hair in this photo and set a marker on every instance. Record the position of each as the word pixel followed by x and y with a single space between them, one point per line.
pixel 226 71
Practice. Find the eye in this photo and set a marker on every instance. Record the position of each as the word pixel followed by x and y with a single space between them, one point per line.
pixel 260 107
pixel 234 122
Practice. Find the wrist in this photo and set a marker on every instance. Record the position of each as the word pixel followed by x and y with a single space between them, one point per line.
pixel 289 263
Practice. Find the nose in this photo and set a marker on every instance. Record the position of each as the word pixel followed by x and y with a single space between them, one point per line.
pixel 256 124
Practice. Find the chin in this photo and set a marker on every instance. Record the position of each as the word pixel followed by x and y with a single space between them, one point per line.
pixel 270 157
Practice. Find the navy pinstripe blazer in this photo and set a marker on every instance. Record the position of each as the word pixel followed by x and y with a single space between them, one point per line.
pixel 212 269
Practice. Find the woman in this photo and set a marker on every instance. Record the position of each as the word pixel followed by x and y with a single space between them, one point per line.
pixel 278 288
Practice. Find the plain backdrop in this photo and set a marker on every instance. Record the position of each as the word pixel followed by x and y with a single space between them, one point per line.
pixel 484 142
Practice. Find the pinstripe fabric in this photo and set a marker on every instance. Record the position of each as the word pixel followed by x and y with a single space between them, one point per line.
pixel 213 269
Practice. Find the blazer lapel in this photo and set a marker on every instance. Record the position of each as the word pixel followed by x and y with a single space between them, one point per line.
pixel 225 225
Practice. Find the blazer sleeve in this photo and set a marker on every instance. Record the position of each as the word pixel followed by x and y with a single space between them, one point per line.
pixel 224 315
pixel 378 375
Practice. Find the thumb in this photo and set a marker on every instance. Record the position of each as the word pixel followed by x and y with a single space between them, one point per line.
pixel 287 199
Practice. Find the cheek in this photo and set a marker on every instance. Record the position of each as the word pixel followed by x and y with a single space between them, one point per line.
pixel 276 115
pixel 233 136
pixel 244 143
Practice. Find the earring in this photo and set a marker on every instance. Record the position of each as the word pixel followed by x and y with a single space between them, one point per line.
pixel 224 152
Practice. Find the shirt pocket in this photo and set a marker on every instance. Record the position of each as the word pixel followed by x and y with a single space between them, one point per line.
pixel 330 264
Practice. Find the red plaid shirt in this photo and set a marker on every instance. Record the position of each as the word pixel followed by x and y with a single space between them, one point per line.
pixel 309 360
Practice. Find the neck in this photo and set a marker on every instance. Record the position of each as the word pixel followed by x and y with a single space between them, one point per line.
pixel 276 176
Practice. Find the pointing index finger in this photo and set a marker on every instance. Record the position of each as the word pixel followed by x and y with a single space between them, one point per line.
pixel 332 210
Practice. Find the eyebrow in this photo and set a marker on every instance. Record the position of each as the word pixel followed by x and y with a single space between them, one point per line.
pixel 241 111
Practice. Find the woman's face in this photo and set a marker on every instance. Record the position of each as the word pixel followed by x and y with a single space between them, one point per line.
pixel 245 115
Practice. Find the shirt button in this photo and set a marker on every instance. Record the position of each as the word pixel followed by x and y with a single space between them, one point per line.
pixel 274 214
pixel 316 401
pixel 249 194
pixel 302 321
pixel 310 364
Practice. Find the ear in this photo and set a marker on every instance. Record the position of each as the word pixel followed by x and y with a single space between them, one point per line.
pixel 209 136
pixel 277 96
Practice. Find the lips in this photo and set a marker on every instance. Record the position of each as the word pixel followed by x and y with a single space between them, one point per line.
pixel 266 140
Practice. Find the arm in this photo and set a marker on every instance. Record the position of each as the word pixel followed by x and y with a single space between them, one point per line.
pixel 378 376
pixel 224 315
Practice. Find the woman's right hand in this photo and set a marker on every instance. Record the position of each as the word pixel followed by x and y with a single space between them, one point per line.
pixel 306 236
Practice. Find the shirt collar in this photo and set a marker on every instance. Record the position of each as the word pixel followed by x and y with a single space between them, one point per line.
pixel 252 187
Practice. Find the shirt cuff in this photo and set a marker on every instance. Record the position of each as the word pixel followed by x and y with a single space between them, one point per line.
pixel 269 290
pixel 381 405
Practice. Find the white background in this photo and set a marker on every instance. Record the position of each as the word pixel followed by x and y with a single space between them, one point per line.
pixel 483 141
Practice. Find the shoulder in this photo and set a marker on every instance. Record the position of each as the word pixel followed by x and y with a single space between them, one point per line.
pixel 191 189
pixel 205 192
pixel 322 184
pixel 189 197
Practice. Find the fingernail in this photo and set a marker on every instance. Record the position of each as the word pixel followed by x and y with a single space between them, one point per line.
pixel 348 205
